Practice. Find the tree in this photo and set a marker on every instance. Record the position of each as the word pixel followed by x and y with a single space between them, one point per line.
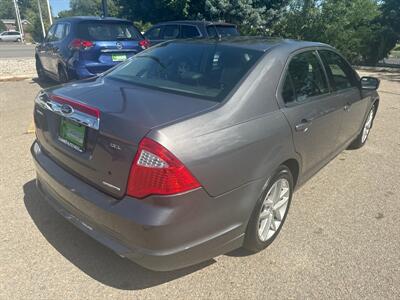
pixel 252 16
pixel 2 26
pixel 155 11
pixel 387 34
pixel 89 8
pixel 7 9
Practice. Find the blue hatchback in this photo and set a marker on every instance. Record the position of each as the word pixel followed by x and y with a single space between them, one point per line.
pixel 81 47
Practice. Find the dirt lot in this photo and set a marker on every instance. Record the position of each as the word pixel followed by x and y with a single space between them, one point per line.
pixel 341 239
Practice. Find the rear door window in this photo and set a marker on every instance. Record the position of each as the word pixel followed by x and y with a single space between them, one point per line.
pixel 189 31
pixel 340 73
pixel 108 31
pixel 223 30
pixel 153 34
pixel 171 32
pixel 305 78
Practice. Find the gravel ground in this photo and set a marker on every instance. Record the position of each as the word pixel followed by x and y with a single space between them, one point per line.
pixel 17 67
pixel 341 239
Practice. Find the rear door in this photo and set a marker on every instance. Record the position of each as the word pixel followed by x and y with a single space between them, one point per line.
pixel 346 89
pixel 54 47
pixel 44 49
pixel 313 114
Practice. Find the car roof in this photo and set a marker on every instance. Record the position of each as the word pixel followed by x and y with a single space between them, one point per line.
pixel 195 22
pixel 259 43
pixel 90 18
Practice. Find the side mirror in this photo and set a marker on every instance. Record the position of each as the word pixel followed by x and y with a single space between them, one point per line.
pixel 369 83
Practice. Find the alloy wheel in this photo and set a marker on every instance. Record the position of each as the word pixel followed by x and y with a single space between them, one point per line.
pixel 367 126
pixel 273 209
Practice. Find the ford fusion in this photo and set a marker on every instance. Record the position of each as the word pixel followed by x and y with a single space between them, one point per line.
pixel 191 149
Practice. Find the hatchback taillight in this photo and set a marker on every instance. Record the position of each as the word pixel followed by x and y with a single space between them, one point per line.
pixel 144 44
pixel 156 171
pixel 79 44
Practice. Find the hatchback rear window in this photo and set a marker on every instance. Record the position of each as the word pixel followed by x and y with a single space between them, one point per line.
pixel 108 31
pixel 203 70
pixel 223 30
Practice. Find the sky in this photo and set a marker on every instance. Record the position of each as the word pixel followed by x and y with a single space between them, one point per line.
pixel 58 5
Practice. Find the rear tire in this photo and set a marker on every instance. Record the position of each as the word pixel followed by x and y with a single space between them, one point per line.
pixel 40 71
pixel 270 212
pixel 362 137
pixel 62 74
pixel 18 39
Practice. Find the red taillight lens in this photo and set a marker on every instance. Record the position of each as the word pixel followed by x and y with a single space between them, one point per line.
pixel 156 171
pixel 79 44
pixel 77 105
pixel 144 44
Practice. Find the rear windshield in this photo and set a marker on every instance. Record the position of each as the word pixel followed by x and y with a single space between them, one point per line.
pixel 108 31
pixel 203 70
pixel 223 30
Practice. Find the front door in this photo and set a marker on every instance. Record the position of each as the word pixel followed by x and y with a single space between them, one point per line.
pixel 346 89
pixel 312 113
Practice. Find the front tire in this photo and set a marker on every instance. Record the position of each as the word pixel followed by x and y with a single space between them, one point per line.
pixel 362 137
pixel 270 211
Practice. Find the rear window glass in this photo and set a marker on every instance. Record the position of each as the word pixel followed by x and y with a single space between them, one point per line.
pixel 208 71
pixel 108 31
pixel 223 30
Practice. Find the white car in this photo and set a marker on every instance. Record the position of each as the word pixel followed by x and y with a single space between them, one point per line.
pixel 10 36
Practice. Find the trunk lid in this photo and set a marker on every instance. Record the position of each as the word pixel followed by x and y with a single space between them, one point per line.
pixel 126 113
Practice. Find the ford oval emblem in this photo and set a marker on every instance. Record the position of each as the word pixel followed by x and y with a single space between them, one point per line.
pixel 66 109
pixel 119 45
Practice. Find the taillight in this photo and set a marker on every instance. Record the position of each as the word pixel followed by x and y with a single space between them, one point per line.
pixel 156 171
pixel 144 44
pixel 79 44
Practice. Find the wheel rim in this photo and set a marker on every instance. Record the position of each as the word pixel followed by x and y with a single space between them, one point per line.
pixel 367 126
pixel 273 209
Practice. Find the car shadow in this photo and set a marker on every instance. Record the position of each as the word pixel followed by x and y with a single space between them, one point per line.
pixel 88 255
pixel 44 83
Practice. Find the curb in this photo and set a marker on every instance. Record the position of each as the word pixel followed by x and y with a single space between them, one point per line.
pixel 16 77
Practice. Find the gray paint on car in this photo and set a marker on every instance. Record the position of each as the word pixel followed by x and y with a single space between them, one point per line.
pixel 232 148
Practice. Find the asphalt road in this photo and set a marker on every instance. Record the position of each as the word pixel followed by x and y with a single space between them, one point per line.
pixel 16 50
pixel 341 238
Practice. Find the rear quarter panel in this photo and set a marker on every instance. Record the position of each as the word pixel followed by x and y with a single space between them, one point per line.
pixel 245 139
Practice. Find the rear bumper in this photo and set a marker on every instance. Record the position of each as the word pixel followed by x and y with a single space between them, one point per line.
pixel 159 233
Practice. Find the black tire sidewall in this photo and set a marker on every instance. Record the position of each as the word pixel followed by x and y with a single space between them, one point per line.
pixel 252 241
pixel 40 70
pixel 63 71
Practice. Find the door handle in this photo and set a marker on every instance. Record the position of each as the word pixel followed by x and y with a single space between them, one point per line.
pixel 347 107
pixel 303 125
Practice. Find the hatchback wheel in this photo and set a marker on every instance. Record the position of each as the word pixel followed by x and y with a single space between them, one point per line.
pixel 62 75
pixel 40 71
pixel 363 136
pixel 270 212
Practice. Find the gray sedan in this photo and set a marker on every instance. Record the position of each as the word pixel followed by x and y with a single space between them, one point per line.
pixel 191 149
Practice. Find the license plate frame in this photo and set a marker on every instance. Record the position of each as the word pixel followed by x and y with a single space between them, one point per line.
pixel 72 134
pixel 118 57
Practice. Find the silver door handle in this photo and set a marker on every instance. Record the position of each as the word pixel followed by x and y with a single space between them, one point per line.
pixel 303 125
